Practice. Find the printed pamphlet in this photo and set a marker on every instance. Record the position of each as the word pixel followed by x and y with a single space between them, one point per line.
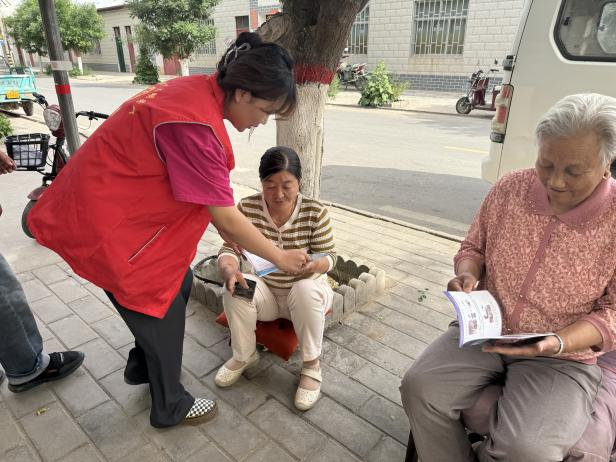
pixel 481 321
pixel 263 267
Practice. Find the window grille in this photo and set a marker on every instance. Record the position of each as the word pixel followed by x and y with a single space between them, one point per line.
pixel 210 47
pixel 440 26
pixel 357 43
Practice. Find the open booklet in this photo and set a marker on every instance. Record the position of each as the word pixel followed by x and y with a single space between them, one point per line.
pixel 480 319
pixel 262 267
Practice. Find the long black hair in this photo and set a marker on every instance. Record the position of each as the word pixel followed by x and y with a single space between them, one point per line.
pixel 264 69
pixel 280 159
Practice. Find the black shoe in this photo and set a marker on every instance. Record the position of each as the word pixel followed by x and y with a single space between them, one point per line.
pixel 60 365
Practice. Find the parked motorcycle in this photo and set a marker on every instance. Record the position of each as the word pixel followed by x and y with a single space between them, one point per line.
pixel 30 151
pixel 475 98
pixel 352 74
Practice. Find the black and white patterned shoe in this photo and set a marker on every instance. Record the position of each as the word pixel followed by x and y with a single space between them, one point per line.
pixel 201 411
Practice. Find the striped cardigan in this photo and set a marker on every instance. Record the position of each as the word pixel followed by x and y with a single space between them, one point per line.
pixel 308 228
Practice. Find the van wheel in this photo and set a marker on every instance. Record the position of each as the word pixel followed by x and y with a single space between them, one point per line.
pixel 463 106
pixel 24 219
pixel 28 107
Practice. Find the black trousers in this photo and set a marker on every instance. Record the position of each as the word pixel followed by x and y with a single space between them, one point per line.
pixel 157 357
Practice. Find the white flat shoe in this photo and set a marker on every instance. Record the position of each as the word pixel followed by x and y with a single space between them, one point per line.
pixel 225 377
pixel 305 399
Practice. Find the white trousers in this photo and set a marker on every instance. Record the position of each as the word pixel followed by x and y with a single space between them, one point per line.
pixel 304 305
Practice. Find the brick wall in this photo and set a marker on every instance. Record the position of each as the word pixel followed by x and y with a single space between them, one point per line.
pixel 490 31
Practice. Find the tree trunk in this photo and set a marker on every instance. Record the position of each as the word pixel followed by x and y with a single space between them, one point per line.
pixel 79 61
pixel 315 32
pixel 184 70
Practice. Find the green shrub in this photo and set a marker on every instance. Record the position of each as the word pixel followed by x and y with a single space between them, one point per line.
pixel 5 126
pixel 75 72
pixel 146 72
pixel 378 91
pixel 48 69
pixel 334 87
pixel 399 87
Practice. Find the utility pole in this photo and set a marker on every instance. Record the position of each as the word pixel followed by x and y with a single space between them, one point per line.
pixel 60 76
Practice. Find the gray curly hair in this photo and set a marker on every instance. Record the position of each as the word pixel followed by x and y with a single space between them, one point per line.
pixel 581 114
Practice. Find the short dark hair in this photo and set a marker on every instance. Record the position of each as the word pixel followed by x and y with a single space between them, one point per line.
pixel 264 69
pixel 280 159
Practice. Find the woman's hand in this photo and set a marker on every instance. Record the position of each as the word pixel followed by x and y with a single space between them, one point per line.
pixel 292 261
pixel 547 346
pixel 464 281
pixel 232 276
pixel 7 165
pixel 320 265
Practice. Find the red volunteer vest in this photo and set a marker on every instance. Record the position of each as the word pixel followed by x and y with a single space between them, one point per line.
pixel 111 213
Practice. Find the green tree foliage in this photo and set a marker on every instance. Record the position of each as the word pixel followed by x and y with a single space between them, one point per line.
pixel 80 26
pixel 5 126
pixel 146 72
pixel 84 28
pixel 378 91
pixel 174 27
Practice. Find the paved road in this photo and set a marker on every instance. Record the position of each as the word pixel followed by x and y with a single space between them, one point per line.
pixel 416 167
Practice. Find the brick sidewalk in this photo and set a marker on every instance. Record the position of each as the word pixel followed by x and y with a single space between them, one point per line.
pixel 93 415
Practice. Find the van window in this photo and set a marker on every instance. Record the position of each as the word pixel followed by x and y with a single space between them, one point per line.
pixel 586 30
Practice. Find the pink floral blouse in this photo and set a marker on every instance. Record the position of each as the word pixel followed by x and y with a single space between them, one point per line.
pixel 547 271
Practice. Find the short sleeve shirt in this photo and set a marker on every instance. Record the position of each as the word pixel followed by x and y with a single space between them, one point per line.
pixel 196 164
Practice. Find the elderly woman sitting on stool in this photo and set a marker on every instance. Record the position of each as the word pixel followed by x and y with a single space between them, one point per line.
pixel 544 244
pixel 291 221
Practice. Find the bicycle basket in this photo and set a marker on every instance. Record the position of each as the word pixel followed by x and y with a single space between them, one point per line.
pixel 28 151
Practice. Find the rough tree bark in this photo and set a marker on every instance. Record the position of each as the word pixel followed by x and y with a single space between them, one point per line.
pixel 315 32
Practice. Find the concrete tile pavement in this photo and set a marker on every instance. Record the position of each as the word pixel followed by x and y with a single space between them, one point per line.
pixel 93 415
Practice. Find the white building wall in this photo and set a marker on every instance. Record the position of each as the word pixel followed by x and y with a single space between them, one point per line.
pixel 224 20
pixel 490 30
pixel 108 60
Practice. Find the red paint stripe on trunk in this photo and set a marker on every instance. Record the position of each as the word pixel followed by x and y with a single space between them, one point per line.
pixel 63 89
pixel 313 73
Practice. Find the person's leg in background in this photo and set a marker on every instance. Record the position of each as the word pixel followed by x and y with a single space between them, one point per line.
pixel 21 347
pixel 160 344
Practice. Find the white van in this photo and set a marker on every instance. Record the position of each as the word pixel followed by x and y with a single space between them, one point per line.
pixel 562 47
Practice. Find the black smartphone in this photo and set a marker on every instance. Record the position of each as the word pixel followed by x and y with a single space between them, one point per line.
pixel 248 294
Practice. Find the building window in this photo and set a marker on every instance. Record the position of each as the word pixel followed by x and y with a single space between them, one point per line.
pixel 210 47
pixel 242 24
pixel 96 49
pixel 440 26
pixel 357 43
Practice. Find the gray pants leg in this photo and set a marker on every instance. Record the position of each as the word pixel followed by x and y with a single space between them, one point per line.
pixel 541 394
pixel 21 346
pixel 545 407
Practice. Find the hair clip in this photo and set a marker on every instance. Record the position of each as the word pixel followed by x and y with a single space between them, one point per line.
pixel 235 51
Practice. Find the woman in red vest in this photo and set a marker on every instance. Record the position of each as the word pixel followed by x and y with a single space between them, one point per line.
pixel 130 207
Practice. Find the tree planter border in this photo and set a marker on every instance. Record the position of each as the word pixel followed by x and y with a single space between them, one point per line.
pixel 358 285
